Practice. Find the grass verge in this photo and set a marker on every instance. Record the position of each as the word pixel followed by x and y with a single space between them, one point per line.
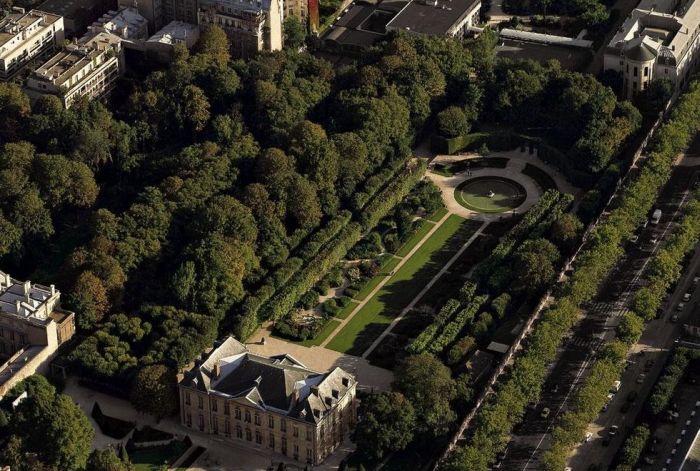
pixel 423 228
pixel 386 268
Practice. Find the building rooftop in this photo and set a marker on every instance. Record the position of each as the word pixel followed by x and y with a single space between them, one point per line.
pixel 126 23
pixel 27 300
pixel 62 66
pixel 68 8
pixel 15 22
pixel 175 32
pixel 431 17
pixel 280 382
pixel 18 361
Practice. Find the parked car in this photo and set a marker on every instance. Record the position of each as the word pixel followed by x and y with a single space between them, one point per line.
pixel 555 388
pixel 641 378
pixel 687 296
pixel 674 318
pixel 696 280
pixel 680 307
pixel 545 413
pixel 613 430
pixel 634 239
pixel 589 437
pixel 632 396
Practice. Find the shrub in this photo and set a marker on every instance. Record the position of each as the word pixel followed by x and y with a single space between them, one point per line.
pixel 452 122
pixel 460 350
pixel 330 307
pixel 455 326
pixel 633 447
pixel 421 343
pixel 499 305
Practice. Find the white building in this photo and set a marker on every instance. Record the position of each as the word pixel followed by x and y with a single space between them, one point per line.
pixel 448 18
pixel 658 40
pixel 126 23
pixel 89 68
pixel 162 44
pixel 27 36
pixel 250 25
pixel 32 327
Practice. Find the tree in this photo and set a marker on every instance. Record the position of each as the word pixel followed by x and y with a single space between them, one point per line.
pixel 429 386
pixel 534 265
pixel 154 391
pixel 387 424
pixel 214 43
pixel 566 230
pixel 14 111
pixel 89 300
pixel 47 417
pixel 630 328
pixel 107 460
pixel 452 122
pixel 196 107
pixel 294 33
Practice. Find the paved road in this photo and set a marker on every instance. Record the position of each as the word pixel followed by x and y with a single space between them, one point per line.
pixel 532 437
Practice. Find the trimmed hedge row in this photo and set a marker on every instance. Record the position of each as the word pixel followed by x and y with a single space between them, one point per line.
pixel 494 141
pixel 375 183
pixel 421 343
pixel 633 448
pixel 283 300
pixel 666 385
pixel 666 266
pixel 494 421
pixel 559 208
pixel 451 331
pixel 323 235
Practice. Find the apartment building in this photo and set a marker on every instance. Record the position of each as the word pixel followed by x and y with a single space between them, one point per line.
pixel 659 39
pixel 250 25
pixel 88 67
pixel 77 14
pixel 25 37
pixel 161 45
pixel 32 327
pixel 274 404
pixel 306 11
pixel 127 23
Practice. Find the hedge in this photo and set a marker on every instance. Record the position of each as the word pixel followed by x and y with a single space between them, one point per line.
pixel 559 208
pixel 666 385
pixel 323 235
pixel 421 343
pixel 633 447
pixel 492 140
pixel 493 423
pixel 375 183
pixel 451 331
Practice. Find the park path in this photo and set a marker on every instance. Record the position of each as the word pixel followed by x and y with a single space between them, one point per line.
pixel 430 284
pixel 381 284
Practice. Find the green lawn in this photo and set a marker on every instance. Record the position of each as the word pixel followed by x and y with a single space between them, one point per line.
pixel 387 303
pixel 152 458
pixel 387 267
pixel 423 228
pixel 322 334
pixel 345 312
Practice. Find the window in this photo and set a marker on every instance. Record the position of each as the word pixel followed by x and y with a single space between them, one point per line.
pixel 258 437
pixel 308 433
pixel 227 409
pixel 284 446
pixel 295 431
pixel 239 431
pixel 257 419
pixel 189 419
pixel 628 68
pixel 200 402
pixel 187 398
pixel 646 71
pixel 247 416
pixel 214 405
pixel 296 451
pixel 666 71
pixel 2 332
pixel 201 422
pixel 227 427
pixel 248 435
pixel 635 72
pixel 216 424
pixel 272 440
pixel 283 425
pixel 271 421
pixel 238 413
pixel 309 455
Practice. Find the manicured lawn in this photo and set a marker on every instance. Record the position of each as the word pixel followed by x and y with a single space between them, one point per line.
pixel 423 228
pixel 387 267
pixel 152 458
pixel 387 303
pixel 437 215
pixel 475 194
pixel 322 334
pixel 345 312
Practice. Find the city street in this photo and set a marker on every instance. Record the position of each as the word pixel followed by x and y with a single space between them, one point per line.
pixel 532 437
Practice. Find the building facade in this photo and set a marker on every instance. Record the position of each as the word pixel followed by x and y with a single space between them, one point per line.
pixel 250 25
pixel 180 10
pixel 25 37
pixel 127 23
pixel 161 46
pixel 32 327
pixel 89 67
pixel 659 40
pixel 274 404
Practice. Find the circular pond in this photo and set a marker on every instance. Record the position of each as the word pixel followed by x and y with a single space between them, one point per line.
pixel 490 194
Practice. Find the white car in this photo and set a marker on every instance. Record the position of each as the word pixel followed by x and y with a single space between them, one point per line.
pixel 686 297
pixel 589 436
pixel 696 280
pixel 680 307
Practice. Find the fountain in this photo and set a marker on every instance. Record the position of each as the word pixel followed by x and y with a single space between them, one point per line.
pixel 491 194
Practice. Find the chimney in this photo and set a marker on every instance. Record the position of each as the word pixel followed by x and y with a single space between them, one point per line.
pixel 27 287
pixel 53 290
pixel 217 370
pixel 8 280
pixel 18 305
